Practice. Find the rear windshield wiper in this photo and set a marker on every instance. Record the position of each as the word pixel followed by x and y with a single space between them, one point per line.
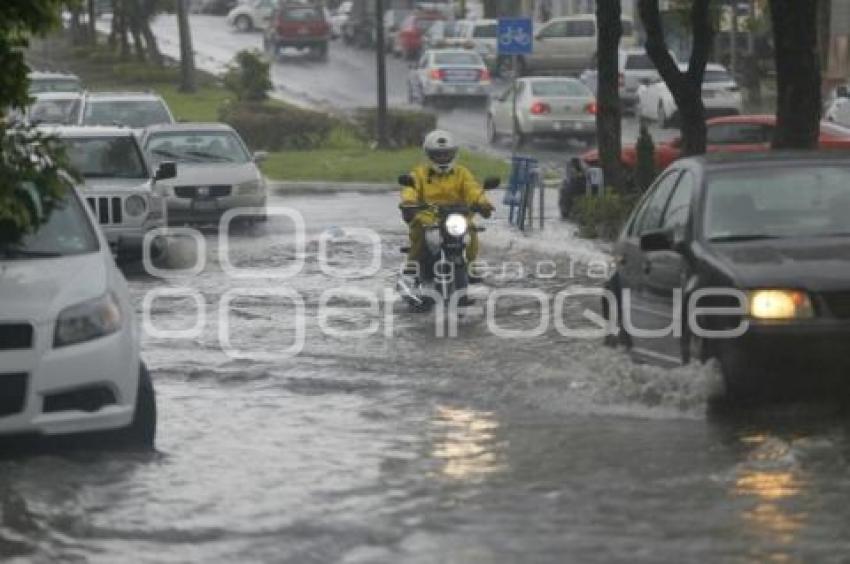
pixel 741 238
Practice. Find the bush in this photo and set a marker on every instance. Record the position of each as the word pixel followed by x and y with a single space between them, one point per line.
pixel 405 128
pixel 142 74
pixel 603 216
pixel 248 76
pixel 278 127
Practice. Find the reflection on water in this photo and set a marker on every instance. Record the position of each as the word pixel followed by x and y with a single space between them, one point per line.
pixel 466 443
pixel 771 477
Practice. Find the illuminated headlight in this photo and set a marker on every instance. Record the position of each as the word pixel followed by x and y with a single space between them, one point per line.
pixel 251 187
pixel 780 304
pixel 87 321
pixel 135 205
pixel 456 225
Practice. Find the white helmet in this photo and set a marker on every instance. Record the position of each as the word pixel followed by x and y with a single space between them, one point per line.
pixel 441 149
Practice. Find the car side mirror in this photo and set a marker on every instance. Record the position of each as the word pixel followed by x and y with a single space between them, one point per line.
pixel 491 183
pixel 165 171
pixel 260 156
pixel 659 240
pixel 406 180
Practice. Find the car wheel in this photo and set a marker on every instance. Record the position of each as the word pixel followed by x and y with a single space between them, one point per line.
pixel 663 120
pixel 492 134
pixel 244 24
pixel 740 376
pixel 142 429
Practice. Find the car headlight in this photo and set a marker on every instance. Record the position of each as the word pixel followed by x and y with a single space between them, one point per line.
pixel 135 205
pixel 87 321
pixel 456 225
pixel 251 187
pixel 780 305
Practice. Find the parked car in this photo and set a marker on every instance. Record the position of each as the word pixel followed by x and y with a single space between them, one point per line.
pixel 131 109
pixel 720 94
pixel 636 70
pixel 568 44
pixel 117 183
pixel 731 134
pixel 839 110
pixel 339 17
pixel 69 340
pixel 300 26
pixel 552 107
pixel 480 35
pixel 216 7
pixel 445 34
pixel 773 227
pixel 55 108
pixel 43 81
pixel 216 171
pixel 408 40
pixel 251 15
pixel 448 74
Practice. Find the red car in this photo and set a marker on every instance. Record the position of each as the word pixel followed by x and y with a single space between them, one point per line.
pixel 408 39
pixel 302 26
pixel 732 134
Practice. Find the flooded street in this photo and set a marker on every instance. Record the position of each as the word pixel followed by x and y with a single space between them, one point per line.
pixel 401 446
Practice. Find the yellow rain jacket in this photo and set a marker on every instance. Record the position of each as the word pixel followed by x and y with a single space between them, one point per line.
pixel 457 187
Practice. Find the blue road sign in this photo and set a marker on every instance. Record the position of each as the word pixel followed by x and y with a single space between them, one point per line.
pixel 516 36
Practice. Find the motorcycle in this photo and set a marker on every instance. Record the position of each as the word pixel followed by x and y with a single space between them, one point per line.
pixel 442 269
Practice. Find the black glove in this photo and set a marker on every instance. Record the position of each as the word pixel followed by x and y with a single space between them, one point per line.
pixel 408 213
pixel 486 211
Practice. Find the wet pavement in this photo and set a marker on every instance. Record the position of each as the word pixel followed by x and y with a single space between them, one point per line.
pixel 403 447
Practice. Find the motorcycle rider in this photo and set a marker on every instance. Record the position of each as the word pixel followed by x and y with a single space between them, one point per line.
pixel 440 181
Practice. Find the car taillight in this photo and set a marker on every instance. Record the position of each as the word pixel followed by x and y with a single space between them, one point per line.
pixel 591 108
pixel 485 76
pixel 539 108
pixel 438 74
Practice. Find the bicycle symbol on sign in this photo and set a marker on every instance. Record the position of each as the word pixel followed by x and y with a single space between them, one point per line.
pixel 515 36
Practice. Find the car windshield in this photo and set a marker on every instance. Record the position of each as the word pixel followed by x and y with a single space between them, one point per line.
pixel 54 85
pixel 457 59
pixel 718 76
pixel 776 202
pixel 132 113
pixel 61 112
pixel 66 231
pixel 106 157
pixel 559 88
pixel 488 31
pixel 302 14
pixel 197 147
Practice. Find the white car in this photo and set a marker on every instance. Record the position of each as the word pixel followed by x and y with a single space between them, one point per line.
pixel 69 340
pixel 552 107
pixel 131 109
pixel 251 15
pixel 839 110
pixel 481 35
pixel 55 108
pixel 118 184
pixel 448 74
pixel 636 69
pixel 44 81
pixel 216 171
pixel 720 94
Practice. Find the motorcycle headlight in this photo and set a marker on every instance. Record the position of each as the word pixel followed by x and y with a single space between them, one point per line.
pixel 780 305
pixel 87 321
pixel 251 187
pixel 135 205
pixel 456 225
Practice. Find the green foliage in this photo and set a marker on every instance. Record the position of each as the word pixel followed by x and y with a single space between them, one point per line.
pixel 276 127
pixel 31 157
pixel 248 76
pixel 603 216
pixel 645 172
pixel 134 73
pixel 405 128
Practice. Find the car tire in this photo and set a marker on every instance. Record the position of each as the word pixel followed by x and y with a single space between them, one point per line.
pixel 244 24
pixel 492 133
pixel 741 377
pixel 142 429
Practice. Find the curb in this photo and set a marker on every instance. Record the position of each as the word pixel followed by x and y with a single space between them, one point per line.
pixel 297 187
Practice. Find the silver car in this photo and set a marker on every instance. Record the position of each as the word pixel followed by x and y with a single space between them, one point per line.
pixel 448 74
pixel 131 109
pixel 216 172
pixel 551 107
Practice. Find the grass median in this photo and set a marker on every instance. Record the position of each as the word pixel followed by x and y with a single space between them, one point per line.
pixel 344 159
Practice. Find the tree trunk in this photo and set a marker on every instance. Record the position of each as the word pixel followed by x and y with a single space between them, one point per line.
pixel 798 76
pixel 146 13
pixel 92 22
pixel 121 17
pixel 686 87
pixel 187 56
pixel 609 111
pixel 135 30
pixel 112 40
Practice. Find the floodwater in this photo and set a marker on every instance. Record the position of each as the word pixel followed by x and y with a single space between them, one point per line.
pixel 403 447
